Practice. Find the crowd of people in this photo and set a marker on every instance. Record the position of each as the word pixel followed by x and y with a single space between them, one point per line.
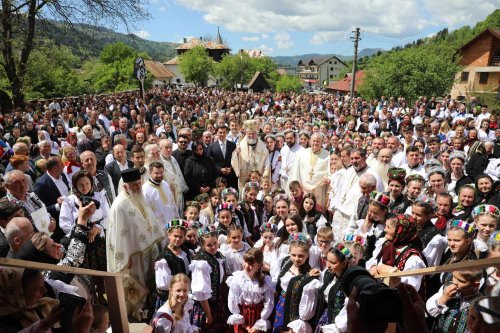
pixel 239 211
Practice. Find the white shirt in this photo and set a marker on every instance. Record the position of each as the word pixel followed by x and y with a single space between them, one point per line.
pixel 61 185
pixel 122 166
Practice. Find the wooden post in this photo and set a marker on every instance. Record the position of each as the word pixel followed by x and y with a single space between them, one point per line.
pixel 116 303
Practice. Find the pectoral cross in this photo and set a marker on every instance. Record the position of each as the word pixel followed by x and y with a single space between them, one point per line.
pixel 311 174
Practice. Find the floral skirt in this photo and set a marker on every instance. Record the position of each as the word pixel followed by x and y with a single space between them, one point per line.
pixel 279 318
pixel 323 320
pixel 219 316
pixel 251 313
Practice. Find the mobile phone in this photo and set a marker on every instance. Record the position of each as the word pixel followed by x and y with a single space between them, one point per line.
pixel 69 303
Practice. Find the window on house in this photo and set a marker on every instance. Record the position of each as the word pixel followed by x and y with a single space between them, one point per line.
pixel 178 80
pixel 330 62
pixel 483 78
pixel 335 62
pixel 331 76
pixel 464 77
pixel 331 68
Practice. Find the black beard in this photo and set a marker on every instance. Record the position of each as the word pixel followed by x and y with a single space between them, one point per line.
pixel 290 145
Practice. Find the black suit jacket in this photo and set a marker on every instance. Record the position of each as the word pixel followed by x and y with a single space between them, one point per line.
pixel 114 171
pixel 47 191
pixel 4 245
pixel 215 153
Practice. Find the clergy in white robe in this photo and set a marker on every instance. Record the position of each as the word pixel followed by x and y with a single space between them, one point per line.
pixel 348 192
pixel 158 195
pixel 250 155
pixel 132 241
pixel 173 174
pixel 289 153
pixel 311 169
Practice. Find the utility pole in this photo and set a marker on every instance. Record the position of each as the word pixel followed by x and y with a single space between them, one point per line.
pixel 356 39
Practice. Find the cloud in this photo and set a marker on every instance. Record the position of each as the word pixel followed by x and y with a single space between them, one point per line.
pixel 162 9
pixel 327 37
pixel 265 49
pixel 142 33
pixel 283 41
pixel 264 36
pixel 250 39
pixel 392 18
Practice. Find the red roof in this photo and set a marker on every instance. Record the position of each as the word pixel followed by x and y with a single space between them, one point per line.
pixel 345 83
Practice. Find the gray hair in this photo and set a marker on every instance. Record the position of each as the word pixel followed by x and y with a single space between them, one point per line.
pixel 7 178
pixel 14 228
pixel 368 179
pixel 18 146
pixel 85 127
pixel 44 143
pixel 162 141
pixel 119 138
pixel 318 134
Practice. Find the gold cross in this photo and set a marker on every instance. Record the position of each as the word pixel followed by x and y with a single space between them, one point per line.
pixel 311 174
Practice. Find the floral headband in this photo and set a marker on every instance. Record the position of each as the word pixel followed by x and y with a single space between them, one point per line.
pixel 486 209
pixel 343 250
pixel 380 198
pixel 494 238
pixel 252 185
pixel 416 177
pixel 193 204
pixel 224 206
pixel 268 227
pixel 229 190
pixel 427 200
pixel 207 231
pixel 177 224
pixel 299 237
pixel 352 238
pixel 470 229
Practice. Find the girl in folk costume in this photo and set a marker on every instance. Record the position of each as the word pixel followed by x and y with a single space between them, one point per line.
pixel 434 244
pixel 297 288
pixel 173 260
pixel 252 210
pixel 282 208
pixel 292 224
pixel 331 297
pixel 268 211
pixel 230 196
pixel 460 235
pixel 486 221
pixel 266 245
pixel 192 211
pixel 396 184
pixel 251 295
pixel 224 218
pixel 208 284
pixel 493 273
pixel 313 220
pixel 401 250
pixel 173 315
pixel 191 244
pixel 234 249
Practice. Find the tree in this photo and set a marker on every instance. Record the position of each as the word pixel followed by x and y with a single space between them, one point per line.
pixel 428 71
pixel 19 21
pixel 287 83
pixel 196 66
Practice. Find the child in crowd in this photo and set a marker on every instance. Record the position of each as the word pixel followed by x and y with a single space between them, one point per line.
pixel 268 211
pixel 460 235
pixel 293 209
pixel 208 286
pixel 493 273
pixel 100 324
pixel 319 251
pixel 282 211
pixel 254 176
pixel 297 288
pixel 173 260
pixel 190 244
pixel 252 210
pixel 265 188
pixel 223 219
pixel 220 184
pixel 296 192
pixel 292 225
pixel 355 244
pixel 480 318
pixel 251 295
pixel 310 216
pixel 173 316
pixel 331 297
pixel 266 245
pixel 486 220
pixel 192 211
pixel 230 196
pixel 234 249
pixel 206 214
pixel 451 303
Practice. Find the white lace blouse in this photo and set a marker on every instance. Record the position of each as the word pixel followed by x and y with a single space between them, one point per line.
pixel 164 325
pixel 234 258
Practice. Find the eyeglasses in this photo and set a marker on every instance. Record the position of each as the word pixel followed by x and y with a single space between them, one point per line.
pixel 322 242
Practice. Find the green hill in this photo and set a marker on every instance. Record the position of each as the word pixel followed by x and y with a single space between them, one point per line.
pixel 87 41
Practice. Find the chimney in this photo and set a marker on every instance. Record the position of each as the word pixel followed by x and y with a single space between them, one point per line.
pixel 185 40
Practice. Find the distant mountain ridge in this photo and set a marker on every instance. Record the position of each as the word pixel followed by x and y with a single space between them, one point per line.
pixel 87 41
pixel 292 61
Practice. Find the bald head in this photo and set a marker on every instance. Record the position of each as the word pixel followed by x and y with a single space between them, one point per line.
pixel 18 231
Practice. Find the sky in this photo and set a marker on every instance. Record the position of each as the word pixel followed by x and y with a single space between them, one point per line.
pixel 286 27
